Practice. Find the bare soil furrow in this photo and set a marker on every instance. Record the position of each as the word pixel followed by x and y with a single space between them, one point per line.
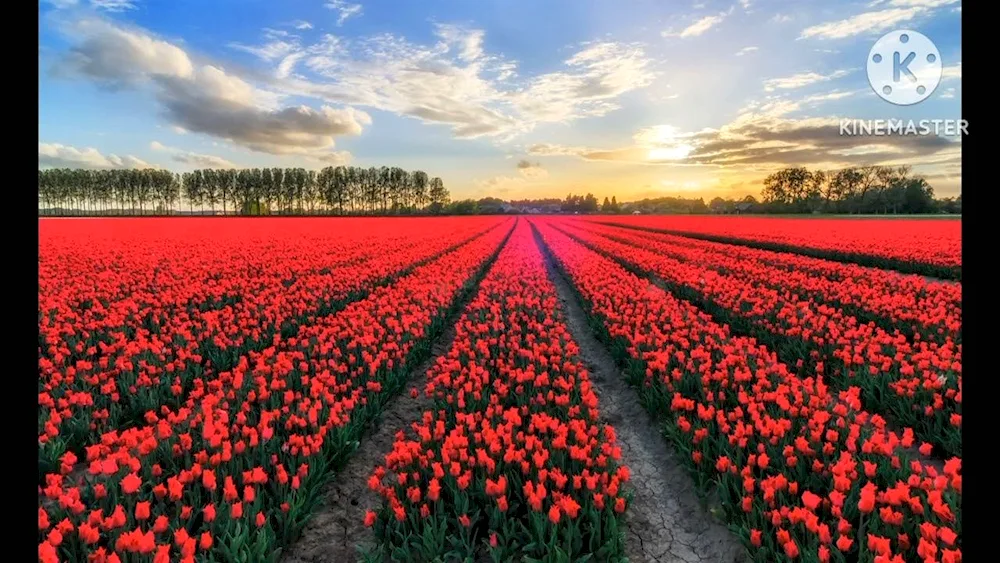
pixel 666 522
pixel 336 532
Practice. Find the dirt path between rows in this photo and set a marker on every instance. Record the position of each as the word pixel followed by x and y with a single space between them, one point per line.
pixel 935 460
pixel 666 522
pixel 808 252
pixel 336 533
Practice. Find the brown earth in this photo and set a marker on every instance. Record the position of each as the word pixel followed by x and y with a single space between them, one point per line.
pixel 666 522
pixel 336 533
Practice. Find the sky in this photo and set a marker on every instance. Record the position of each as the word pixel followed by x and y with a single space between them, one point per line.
pixel 505 98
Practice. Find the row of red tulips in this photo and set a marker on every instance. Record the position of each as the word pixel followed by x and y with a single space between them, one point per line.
pixel 918 246
pixel 802 472
pixel 921 309
pixel 233 473
pixel 918 382
pixel 154 325
pixel 512 461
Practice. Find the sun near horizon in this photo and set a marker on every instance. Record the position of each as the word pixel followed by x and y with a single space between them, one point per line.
pixel 633 100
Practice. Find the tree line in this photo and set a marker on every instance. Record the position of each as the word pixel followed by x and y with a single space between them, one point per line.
pixel 351 190
pixel 855 190
pixel 586 204
pixel 338 190
pixel 610 206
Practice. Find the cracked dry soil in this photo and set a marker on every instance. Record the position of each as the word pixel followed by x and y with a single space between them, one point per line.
pixel 336 533
pixel 666 522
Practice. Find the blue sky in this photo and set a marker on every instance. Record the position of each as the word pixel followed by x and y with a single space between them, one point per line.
pixel 512 98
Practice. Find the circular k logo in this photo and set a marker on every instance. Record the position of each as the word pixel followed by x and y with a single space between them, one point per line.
pixel 904 67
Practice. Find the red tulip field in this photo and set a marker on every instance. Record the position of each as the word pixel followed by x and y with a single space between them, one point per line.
pixel 556 389
pixel 931 246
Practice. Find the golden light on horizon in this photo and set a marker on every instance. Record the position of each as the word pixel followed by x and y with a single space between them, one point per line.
pixel 665 142
pixel 678 152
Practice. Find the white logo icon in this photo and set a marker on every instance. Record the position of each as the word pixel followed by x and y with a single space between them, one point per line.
pixel 904 67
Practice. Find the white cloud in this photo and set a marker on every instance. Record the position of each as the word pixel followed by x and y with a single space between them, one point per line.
pixel 455 82
pixel 302 24
pixel 332 158
pixel 282 48
pixel 61 4
pixel 915 3
pixel 288 130
pixel 659 144
pixel 205 98
pixel 118 57
pixel 746 50
pixel 193 159
pixel 859 24
pixel 898 11
pixel 345 10
pixel 272 33
pixel 469 42
pixel 754 142
pixel 952 72
pixel 595 77
pixel 269 51
pixel 203 160
pixel 435 84
pixel 549 149
pixel 106 5
pixel 777 106
pixel 287 64
pixel 828 97
pixel 772 107
pixel 452 81
pixel 55 155
pixel 114 5
pixel 697 28
pixel 800 80
pixel 781 18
